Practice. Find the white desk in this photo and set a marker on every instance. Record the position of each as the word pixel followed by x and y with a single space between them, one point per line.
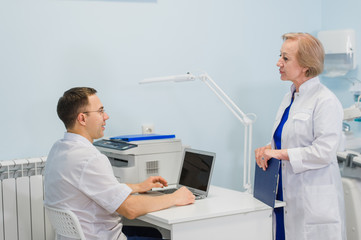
pixel 224 214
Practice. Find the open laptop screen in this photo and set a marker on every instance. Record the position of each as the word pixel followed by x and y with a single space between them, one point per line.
pixel 196 170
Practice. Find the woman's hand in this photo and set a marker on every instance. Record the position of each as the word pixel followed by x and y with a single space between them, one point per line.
pixel 262 157
pixel 263 154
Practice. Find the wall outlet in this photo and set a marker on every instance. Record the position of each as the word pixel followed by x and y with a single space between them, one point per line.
pixel 147 128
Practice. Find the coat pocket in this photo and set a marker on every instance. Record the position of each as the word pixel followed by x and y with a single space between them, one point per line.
pixel 303 123
pixel 323 232
pixel 321 212
pixel 321 204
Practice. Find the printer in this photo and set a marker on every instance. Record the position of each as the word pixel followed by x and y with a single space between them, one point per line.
pixel 135 161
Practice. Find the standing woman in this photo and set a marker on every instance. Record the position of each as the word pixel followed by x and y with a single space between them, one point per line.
pixel 306 136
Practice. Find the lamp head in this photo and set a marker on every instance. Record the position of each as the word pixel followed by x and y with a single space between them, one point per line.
pixel 174 78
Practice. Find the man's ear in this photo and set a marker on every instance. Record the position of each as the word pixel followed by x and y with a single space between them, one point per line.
pixel 81 119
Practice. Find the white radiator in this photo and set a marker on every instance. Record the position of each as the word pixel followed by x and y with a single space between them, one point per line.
pixel 22 215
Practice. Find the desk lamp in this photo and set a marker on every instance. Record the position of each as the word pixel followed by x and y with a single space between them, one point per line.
pixel 227 101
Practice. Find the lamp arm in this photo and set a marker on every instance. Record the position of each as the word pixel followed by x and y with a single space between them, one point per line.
pixel 227 101
pixel 235 113
pixel 244 119
pixel 247 159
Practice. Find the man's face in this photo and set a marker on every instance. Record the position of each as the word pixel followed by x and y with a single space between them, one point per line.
pixel 95 118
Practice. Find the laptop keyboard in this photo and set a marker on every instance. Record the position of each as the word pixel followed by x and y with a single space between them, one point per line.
pixel 198 196
pixel 169 190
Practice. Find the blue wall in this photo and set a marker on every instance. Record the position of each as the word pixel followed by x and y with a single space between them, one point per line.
pixel 48 46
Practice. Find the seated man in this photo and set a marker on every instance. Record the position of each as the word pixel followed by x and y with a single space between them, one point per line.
pixel 80 178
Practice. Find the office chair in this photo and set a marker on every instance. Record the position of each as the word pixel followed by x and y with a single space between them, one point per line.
pixel 65 223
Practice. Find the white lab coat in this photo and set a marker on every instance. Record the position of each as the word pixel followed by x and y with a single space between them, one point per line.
pixel 312 187
pixel 80 178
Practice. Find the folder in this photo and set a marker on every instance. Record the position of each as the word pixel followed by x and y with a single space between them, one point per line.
pixel 265 182
pixel 142 137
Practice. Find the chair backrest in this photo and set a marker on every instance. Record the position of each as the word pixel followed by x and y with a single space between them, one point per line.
pixel 65 223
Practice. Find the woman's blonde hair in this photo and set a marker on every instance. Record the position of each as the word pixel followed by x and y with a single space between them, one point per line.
pixel 310 52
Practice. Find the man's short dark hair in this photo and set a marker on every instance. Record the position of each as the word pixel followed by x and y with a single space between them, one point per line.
pixel 72 103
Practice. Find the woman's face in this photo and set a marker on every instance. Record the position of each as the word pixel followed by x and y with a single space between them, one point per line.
pixel 288 64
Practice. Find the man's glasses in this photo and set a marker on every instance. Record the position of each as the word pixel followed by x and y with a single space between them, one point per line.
pixel 100 111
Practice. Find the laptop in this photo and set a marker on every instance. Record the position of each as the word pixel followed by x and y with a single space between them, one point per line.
pixel 195 172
